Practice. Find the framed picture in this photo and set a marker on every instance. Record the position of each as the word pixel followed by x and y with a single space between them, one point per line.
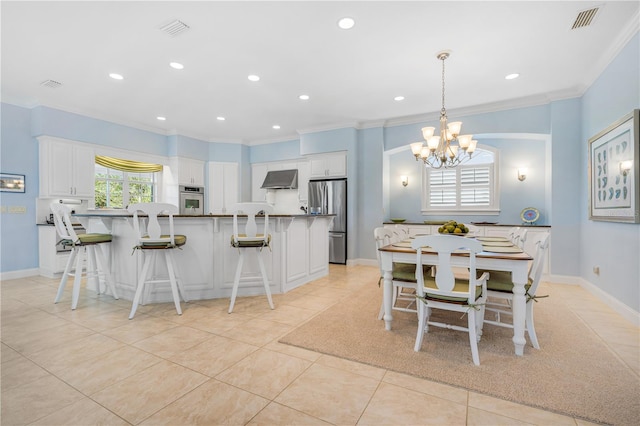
pixel 11 183
pixel 614 155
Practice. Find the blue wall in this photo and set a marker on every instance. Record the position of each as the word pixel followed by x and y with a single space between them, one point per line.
pixel 18 155
pixel 614 247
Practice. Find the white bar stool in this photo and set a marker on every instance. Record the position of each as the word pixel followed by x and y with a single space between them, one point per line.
pixel 89 244
pixel 152 242
pixel 250 239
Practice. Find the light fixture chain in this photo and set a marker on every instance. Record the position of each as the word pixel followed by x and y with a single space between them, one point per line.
pixel 443 109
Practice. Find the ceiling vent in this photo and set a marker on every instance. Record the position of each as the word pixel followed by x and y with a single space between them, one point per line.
pixel 51 83
pixel 174 28
pixel 585 18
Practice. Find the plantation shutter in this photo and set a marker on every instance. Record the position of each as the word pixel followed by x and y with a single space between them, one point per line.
pixel 443 188
pixel 475 189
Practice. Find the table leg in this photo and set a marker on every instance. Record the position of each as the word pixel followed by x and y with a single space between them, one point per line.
pixel 519 308
pixel 388 299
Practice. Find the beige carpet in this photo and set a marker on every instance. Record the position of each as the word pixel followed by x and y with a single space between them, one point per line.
pixel 574 373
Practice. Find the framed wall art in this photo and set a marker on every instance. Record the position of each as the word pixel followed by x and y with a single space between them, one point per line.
pixel 11 183
pixel 614 155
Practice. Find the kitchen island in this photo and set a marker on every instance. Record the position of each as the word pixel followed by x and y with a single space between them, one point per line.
pixel 299 253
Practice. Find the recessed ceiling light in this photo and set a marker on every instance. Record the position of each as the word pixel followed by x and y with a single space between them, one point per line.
pixel 275 126
pixel 176 65
pixel 346 23
pixel 220 118
pixel 161 118
pixel 116 76
pixel 399 98
pixel 303 97
pixel 512 76
pixel 253 77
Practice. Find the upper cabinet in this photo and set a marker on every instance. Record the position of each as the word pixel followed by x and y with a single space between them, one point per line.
pixel 223 186
pixel 67 169
pixel 328 165
pixel 190 172
pixel 258 173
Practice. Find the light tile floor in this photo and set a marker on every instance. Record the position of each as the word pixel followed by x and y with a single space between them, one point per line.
pixel 94 366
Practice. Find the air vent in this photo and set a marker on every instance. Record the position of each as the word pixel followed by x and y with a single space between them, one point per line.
pixel 51 83
pixel 174 28
pixel 585 18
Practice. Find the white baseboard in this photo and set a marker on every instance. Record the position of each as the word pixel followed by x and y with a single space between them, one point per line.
pixel 364 262
pixel 625 311
pixel 13 275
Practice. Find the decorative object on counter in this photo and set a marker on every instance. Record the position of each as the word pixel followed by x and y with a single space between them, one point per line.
pixel 614 171
pixel 151 242
pixel 522 173
pixel 449 148
pixel 404 180
pixel 396 220
pixel 484 223
pixel 11 183
pixel 454 228
pixel 89 244
pixel 435 222
pixel 250 239
pixel 529 215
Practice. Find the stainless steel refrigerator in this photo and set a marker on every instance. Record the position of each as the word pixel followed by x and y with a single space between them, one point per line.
pixel 330 197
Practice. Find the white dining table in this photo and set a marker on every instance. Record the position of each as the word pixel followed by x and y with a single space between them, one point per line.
pixel 516 263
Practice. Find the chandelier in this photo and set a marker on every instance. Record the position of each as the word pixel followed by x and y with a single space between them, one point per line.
pixel 449 148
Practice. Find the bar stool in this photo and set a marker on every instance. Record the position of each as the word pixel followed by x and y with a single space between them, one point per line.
pixel 250 239
pixel 152 242
pixel 89 244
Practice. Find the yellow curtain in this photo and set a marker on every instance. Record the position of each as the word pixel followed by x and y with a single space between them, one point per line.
pixel 127 165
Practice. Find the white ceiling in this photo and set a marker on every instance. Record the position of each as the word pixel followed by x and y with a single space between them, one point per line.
pixel 296 48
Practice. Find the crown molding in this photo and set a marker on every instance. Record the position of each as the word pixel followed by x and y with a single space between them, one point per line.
pixel 331 126
pixel 285 138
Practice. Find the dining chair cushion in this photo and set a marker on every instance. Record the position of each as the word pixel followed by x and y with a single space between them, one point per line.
pixel 180 240
pixel 407 271
pixel 501 281
pixel 258 241
pixel 460 285
pixel 89 239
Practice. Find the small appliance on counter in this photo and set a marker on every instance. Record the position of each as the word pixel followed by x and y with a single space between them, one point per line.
pixel 191 200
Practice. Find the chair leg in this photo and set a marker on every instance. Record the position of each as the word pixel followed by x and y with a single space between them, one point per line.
pixel 179 279
pixel 381 313
pixel 172 278
pixel 92 269
pixel 104 266
pixel 422 322
pixel 141 281
pixel 531 329
pixel 77 280
pixel 65 275
pixel 265 281
pixel 473 336
pixel 236 281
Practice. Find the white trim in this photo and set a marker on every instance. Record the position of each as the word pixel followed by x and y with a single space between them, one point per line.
pixel 623 310
pixel 24 273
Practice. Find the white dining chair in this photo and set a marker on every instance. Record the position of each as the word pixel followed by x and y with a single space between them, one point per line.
pixel 446 292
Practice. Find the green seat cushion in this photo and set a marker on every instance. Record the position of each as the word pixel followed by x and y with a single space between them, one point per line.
pixel 460 285
pixel 180 240
pixel 257 242
pixel 407 271
pixel 89 239
pixel 502 281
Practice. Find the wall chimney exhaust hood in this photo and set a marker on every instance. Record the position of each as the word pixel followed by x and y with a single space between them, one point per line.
pixel 281 179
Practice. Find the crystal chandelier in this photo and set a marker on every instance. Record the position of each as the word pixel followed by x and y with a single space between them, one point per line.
pixel 449 148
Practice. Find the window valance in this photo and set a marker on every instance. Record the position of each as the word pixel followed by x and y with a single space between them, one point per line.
pixel 127 165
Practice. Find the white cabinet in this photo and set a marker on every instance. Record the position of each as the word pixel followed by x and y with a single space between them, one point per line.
pixel 190 172
pixel 67 169
pixel 328 165
pixel 303 181
pixel 223 186
pixel 258 173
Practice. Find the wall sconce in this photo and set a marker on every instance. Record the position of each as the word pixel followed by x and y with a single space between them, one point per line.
pixel 404 180
pixel 625 166
pixel 522 174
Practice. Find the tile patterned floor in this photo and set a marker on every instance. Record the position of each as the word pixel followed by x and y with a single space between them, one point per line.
pixel 93 366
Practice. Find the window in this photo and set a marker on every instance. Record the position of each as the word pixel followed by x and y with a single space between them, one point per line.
pixel 118 184
pixel 469 188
